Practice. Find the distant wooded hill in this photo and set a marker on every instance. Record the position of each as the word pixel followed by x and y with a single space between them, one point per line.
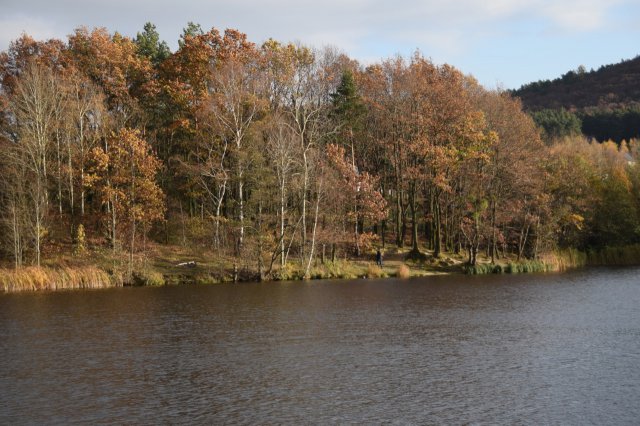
pixel 606 101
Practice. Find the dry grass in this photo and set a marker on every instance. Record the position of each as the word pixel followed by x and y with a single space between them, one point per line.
pixel 35 279
pixel 403 271
pixel 374 271
pixel 565 259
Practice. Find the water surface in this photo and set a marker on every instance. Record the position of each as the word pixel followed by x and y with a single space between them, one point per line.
pixel 532 349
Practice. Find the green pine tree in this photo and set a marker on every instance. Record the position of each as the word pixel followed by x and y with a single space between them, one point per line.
pixel 150 46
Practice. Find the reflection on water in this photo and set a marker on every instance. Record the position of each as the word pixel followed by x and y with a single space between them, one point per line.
pixel 508 349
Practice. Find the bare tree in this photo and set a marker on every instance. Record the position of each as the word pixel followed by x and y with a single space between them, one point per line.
pixel 85 121
pixel 235 104
pixel 35 104
pixel 281 148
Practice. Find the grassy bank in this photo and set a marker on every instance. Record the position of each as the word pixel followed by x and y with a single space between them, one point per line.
pixel 171 265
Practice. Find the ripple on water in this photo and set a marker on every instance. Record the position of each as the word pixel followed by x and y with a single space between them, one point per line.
pixel 497 349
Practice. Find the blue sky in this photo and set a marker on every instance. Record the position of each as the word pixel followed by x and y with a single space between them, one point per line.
pixel 502 43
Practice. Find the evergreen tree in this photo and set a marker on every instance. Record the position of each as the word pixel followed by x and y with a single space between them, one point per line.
pixel 348 108
pixel 149 45
pixel 191 30
pixel 557 123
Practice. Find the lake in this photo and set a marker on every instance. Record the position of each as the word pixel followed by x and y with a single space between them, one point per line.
pixel 509 349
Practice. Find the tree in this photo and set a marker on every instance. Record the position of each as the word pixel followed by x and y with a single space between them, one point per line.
pixel 304 87
pixel 150 46
pixel 359 188
pixel 348 111
pixel 35 104
pixel 191 30
pixel 515 171
pixel 123 175
pixel 84 126
pixel 281 151
pixel 113 64
pixel 556 124
pixel 235 104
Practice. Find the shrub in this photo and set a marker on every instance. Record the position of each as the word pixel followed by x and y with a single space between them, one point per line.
pixel 403 271
pixel 80 246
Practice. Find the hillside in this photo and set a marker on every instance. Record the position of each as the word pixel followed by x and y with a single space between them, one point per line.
pixel 611 86
pixel 602 104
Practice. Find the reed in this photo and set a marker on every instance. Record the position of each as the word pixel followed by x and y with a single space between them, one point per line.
pixel 41 278
pixel 565 259
pixel 526 267
pixel 374 271
pixel 615 256
pixel 482 268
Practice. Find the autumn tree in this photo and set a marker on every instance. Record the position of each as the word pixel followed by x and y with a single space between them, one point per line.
pixel 112 62
pixel 515 174
pixel 281 154
pixel 348 112
pixel 360 190
pixel 122 174
pixel 235 104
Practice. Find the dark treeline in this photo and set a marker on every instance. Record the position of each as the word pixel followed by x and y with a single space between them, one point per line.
pixel 279 154
pixel 601 124
pixel 615 85
pixel 605 101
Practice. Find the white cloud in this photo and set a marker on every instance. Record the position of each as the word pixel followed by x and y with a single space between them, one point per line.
pixel 577 15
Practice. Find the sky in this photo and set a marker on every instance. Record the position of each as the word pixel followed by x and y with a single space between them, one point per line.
pixel 502 43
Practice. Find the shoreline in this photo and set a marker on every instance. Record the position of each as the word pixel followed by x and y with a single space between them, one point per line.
pixel 165 265
pixel 95 273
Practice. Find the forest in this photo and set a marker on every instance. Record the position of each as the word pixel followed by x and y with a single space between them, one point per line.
pixel 605 102
pixel 274 157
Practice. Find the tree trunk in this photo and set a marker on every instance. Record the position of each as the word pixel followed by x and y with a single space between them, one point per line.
pixel 260 260
pixel 39 206
pixel 493 231
pixel 71 189
pixel 399 215
pixel 355 206
pixel 305 184
pixel 282 212
pixel 522 240
pixel 313 235
pixel 113 227
pixel 436 235
pixel 414 219
pixel 59 158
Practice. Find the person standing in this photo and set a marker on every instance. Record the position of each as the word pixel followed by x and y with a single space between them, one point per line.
pixel 379 258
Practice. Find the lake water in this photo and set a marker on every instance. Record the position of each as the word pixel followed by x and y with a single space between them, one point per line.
pixel 529 349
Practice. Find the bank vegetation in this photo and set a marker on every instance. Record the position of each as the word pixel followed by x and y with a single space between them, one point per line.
pixel 227 160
